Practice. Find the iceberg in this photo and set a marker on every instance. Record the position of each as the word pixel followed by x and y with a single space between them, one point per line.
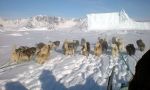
pixel 114 21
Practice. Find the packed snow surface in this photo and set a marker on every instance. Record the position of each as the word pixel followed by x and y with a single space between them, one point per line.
pixel 62 72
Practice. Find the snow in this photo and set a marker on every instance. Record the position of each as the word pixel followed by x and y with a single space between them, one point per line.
pixel 75 72
pixel 16 34
pixel 103 21
pixel 114 21
pixel 62 72
pixel 39 22
pixel 67 24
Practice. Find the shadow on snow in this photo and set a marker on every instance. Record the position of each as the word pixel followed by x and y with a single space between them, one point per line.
pixel 48 82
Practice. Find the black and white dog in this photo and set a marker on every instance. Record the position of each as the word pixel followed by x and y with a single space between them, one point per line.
pixel 130 49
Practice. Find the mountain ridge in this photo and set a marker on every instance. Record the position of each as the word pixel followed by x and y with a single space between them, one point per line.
pixel 106 21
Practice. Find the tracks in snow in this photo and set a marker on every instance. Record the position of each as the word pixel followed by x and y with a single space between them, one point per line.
pixel 72 70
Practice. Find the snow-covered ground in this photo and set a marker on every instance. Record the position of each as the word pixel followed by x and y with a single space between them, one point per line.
pixel 62 72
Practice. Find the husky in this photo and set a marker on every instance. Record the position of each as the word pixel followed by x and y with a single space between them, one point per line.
pixel 100 40
pixel 71 48
pixel 68 48
pixel 85 49
pixel 43 53
pixel 30 52
pixel 65 47
pixel 98 49
pixel 104 44
pixel 40 45
pixel 114 50
pixel 140 44
pixel 15 55
pixel 22 48
pixel 23 56
pixel 120 44
pixel 56 43
pixel 20 54
pixel 114 40
pixel 130 49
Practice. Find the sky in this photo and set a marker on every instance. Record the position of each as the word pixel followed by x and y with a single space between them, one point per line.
pixel 136 9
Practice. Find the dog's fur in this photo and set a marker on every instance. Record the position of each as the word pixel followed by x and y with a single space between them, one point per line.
pixel 98 49
pixel 30 52
pixel 130 49
pixel 40 45
pixel 140 44
pixel 43 53
pixel 100 40
pixel 114 50
pixel 56 43
pixel 14 55
pixel 71 48
pixel 114 40
pixel 23 57
pixel 68 48
pixel 23 53
pixel 85 49
pixel 120 44
pixel 22 48
pixel 65 47
pixel 104 44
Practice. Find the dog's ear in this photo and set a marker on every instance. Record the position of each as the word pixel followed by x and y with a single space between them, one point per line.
pixel 50 46
pixel 65 40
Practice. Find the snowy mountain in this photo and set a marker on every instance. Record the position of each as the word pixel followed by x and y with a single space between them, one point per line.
pixel 49 22
pixel 96 21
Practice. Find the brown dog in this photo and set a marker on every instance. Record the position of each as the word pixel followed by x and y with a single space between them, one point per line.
pixel 42 54
pixel 120 44
pixel 65 47
pixel 85 49
pixel 98 49
pixel 30 52
pixel 114 50
pixel 14 55
pixel 56 43
pixel 68 47
pixel 19 54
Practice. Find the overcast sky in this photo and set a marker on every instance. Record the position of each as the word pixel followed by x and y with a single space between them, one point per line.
pixel 137 9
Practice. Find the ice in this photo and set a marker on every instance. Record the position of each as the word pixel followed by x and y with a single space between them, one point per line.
pixel 114 21
pixel 16 34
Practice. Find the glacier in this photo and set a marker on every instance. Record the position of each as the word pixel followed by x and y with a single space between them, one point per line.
pixel 114 21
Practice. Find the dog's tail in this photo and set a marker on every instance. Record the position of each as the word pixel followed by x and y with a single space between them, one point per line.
pixel 14 47
pixel 13 50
